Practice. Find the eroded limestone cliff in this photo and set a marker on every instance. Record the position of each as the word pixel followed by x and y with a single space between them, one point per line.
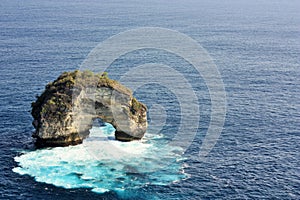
pixel 64 112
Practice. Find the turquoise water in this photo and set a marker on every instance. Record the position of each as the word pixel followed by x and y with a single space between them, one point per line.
pixel 103 164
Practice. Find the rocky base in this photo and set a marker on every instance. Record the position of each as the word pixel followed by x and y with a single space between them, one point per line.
pixel 121 136
pixel 58 142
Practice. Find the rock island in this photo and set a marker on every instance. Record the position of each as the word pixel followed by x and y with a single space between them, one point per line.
pixel 64 112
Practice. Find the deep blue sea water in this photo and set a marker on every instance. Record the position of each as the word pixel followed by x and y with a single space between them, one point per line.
pixel 254 44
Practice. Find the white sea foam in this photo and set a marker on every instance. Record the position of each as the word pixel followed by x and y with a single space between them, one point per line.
pixel 103 164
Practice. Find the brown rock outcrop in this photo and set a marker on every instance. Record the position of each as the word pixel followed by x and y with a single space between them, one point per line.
pixel 65 111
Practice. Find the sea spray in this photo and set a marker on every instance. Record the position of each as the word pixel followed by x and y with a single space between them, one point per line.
pixel 95 165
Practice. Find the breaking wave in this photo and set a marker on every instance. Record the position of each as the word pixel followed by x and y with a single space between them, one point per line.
pixel 104 164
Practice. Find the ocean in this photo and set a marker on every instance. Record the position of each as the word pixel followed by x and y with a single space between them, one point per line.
pixel 254 45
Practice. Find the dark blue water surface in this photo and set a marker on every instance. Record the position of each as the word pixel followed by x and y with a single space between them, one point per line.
pixel 255 45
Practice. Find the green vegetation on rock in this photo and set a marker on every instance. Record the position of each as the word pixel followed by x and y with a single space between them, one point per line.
pixel 67 106
pixel 66 85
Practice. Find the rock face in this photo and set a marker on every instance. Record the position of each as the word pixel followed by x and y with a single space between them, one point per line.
pixel 65 111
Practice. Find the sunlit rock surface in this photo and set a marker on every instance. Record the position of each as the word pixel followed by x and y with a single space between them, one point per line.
pixel 65 111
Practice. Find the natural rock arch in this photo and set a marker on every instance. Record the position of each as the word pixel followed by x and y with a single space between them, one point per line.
pixel 65 111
